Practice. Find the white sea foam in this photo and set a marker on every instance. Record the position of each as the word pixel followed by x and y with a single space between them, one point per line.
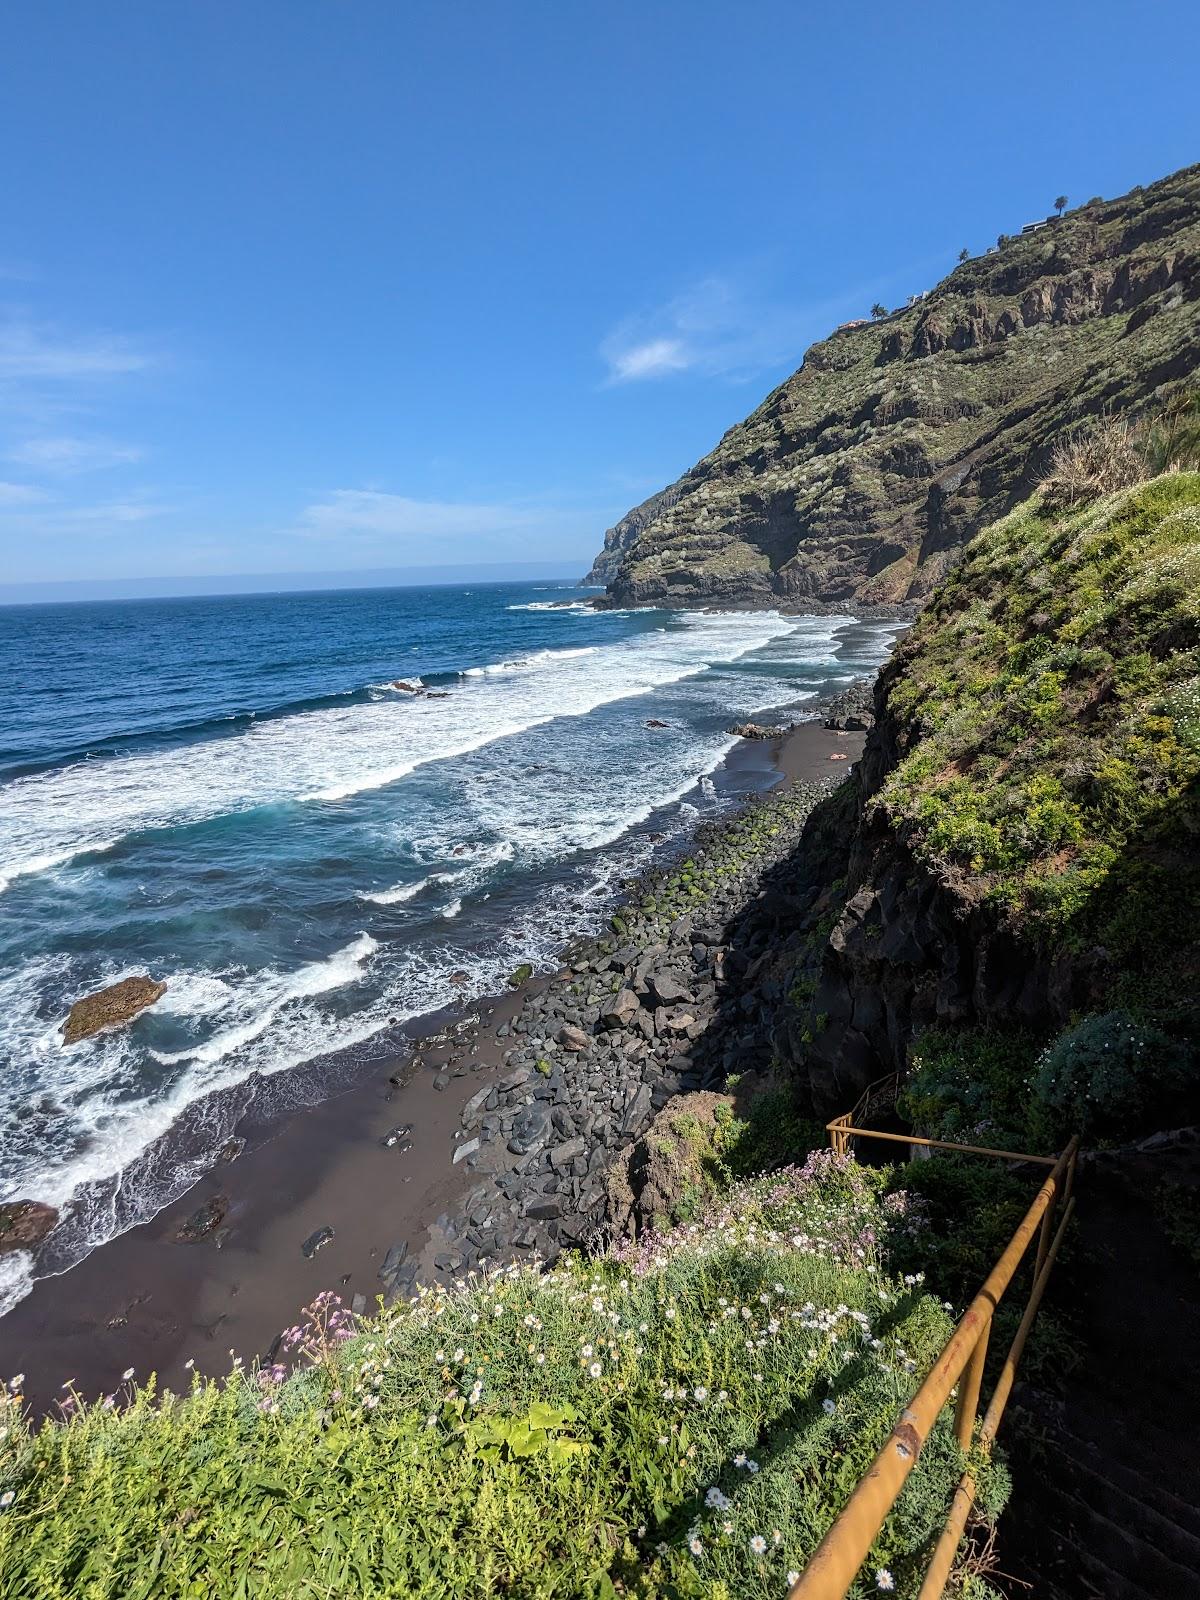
pixel 402 893
pixel 529 663
pixel 101 1167
pixel 481 858
pixel 16 1278
pixel 82 1123
pixel 556 605
pixel 333 753
pixel 269 993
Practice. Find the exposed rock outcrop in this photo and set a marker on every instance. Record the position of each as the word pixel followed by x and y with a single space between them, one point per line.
pixel 25 1223
pixel 622 534
pixel 862 476
pixel 109 1008
pixel 663 1177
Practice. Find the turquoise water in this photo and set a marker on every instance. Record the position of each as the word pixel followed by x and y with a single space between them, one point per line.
pixel 228 793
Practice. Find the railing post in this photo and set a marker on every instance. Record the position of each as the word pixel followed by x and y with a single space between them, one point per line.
pixel 969 1385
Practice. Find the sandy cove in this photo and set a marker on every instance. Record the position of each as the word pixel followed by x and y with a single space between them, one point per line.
pixel 548 1119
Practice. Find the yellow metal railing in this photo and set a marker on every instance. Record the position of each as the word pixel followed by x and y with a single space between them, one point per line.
pixel 836 1561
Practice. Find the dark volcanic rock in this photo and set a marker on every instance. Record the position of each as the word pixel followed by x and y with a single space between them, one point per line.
pixel 530 1128
pixel 204 1219
pixel 315 1240
pixel 668 990
pixel 620 1011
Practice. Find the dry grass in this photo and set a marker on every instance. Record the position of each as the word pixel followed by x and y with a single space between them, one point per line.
pixel 1111 453
pixel 1095 461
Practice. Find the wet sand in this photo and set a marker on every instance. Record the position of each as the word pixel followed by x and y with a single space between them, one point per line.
pixel 150 1301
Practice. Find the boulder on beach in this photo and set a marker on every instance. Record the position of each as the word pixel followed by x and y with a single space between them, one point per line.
pixel 25 1223
pixel 203 1220
pixel 756 730
pixel 109 1008
pixel 621 1009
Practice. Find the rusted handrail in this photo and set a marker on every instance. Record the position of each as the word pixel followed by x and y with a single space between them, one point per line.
pixel 837 1559
pixel 964 1495
pixel 874 1092
pixel 840 1130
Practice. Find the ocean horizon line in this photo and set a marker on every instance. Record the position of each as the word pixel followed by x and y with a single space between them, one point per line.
pixel 217 586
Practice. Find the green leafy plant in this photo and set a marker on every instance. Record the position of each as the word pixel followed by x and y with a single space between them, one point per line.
pixel 1114 1077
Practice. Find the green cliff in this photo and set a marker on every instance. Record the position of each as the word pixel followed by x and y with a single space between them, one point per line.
pixel 863 475
pixel 1017 853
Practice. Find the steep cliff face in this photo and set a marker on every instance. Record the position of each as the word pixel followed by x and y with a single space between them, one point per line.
pixel 1020 844
pixel 861 477
pixel 622 535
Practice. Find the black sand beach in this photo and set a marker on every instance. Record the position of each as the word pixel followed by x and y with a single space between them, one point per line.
pixel 151 1301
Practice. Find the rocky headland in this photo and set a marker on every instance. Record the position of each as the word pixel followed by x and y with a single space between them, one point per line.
pixel 859 480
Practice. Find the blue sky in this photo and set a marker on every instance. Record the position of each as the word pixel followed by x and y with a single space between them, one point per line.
pixel 329 286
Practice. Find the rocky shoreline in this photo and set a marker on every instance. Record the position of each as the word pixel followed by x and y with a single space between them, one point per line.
pixel 661 1004
pixel 491 1136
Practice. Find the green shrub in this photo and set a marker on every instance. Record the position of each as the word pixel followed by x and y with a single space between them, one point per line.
pixel 971 1086
pixel 773 1133
pixel 1113 1077
pixel 1047 707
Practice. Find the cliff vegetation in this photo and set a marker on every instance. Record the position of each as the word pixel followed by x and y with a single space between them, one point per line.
pixel 861 478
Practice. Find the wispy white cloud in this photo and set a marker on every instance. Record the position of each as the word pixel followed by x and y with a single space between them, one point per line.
pixel 26 509
pixel 33 351
pixel 67 455
pixel 20 494
pixel 372 512
pixel 652 359
pixel 116 511
pixel 717 327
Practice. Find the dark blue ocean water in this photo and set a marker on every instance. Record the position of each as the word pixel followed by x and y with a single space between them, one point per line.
pixel 229 794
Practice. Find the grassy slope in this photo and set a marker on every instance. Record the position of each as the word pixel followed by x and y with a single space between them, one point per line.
pixel 1050 701
pixel 1046 713
pixel 530 1436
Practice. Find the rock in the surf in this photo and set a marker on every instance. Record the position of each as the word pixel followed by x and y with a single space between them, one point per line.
pixel 109 1008
pixel 25 1223
pixel 407 686
pixel 755 730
